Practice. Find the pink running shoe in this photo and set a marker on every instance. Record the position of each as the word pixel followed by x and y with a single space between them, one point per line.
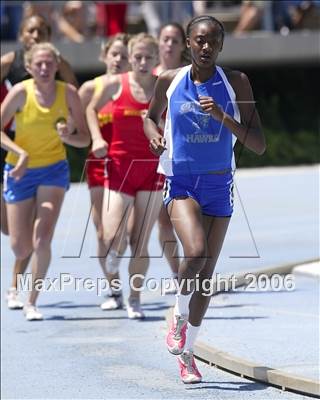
pixel 176 337
pixel 189 372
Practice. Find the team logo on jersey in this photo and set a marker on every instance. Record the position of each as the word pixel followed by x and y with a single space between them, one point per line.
pixel 104 119
pixel 60 120
pixel 201 138
pixel 134 113
pixel 189 106
pixel 197 118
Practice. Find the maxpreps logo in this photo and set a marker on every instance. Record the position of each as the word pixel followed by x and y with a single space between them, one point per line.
pixel 199 120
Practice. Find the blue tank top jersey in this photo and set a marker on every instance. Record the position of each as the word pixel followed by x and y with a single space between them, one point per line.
pixel 197 143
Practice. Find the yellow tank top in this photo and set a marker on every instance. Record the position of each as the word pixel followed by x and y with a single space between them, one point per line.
pixel 97 85
pixel 35 128
pixel 105 113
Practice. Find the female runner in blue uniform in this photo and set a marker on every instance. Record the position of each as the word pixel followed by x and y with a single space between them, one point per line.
pixel 208 109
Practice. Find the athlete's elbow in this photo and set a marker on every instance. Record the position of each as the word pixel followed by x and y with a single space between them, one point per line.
pixel 146 122
pixel 259 149
pixel 261 146
pixel 258 143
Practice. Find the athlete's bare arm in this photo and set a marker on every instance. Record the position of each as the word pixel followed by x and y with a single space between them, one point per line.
pixel 86 92
pixel 76 132
pixel 19 169
pixel 157 106
pixel 248 131
pixel 14 102
pixel 6 61
pixel 111 86
pixel 253 137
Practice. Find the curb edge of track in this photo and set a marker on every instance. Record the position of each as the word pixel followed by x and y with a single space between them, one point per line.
pixel 241 279
pixel 247 369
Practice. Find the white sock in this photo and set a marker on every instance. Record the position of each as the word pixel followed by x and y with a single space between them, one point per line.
pixel 191 335
pixel 182 304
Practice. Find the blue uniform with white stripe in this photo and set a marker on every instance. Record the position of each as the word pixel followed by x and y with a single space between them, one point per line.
pixel 199 158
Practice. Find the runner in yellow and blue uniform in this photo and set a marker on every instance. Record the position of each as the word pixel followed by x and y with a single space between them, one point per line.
pixel 33 29
pixel 48 113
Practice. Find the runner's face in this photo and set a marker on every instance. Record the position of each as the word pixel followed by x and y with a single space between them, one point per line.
pixel 205 43
pixel 34 31
pixel 117 58
pixel 43 66
pixel 143 58
pixel 171 43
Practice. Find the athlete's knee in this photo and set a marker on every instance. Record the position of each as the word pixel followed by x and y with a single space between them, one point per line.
pixel 21 250
pixel 97 223
pixel 100 236
pixel 195 258
pixel 42 242
pixel 108 238
pixel 138 247
pixel 196 251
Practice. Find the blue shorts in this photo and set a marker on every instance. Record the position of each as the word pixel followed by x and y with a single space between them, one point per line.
pixel 57 174
pixel 213 192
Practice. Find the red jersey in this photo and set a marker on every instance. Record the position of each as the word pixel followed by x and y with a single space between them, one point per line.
pixel 105 121
pixel 105 124
pixel 128 138
pixel 96 167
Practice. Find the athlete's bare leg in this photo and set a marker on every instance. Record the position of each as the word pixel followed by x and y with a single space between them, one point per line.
pixel 20 221
pixel 202 239
pixel 187 220
pixel 216 229
pixel 168 241
pixel 96 195
pixel 48 205
pixel 146 210
pixel 4 221
pixel 19 268
pixel 115 213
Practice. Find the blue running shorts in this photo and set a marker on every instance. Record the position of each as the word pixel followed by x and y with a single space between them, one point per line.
pixel 213 192
pixel 57 174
